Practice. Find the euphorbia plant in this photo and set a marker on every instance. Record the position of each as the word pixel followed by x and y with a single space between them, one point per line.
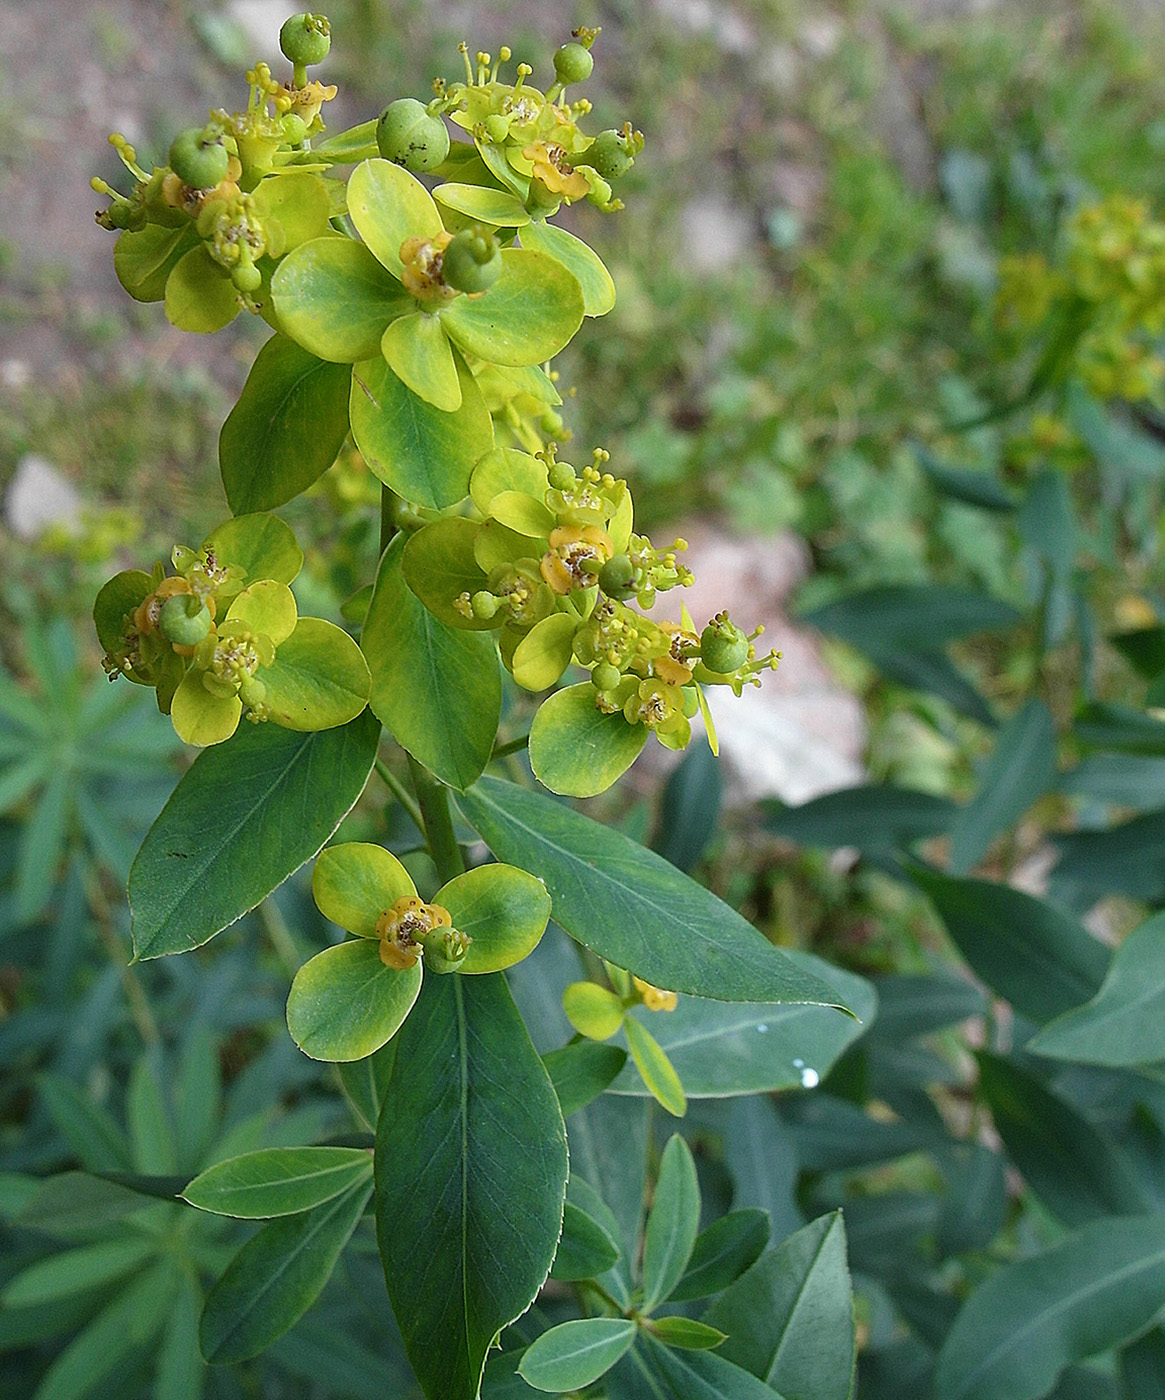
pixel 421 322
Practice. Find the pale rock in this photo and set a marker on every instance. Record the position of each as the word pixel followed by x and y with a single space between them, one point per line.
pixel 39 496
pixel 714 232
pixel 261 20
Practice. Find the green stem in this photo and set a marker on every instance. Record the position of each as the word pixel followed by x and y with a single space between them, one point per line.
pixel 400 792
pixel 513 746
pixel 593 1286
pixel 433 798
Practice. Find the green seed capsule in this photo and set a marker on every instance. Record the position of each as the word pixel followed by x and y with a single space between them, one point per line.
pixel 473 261
pixel 723 646
pixel 407 135
pixel 306 38
pixel 184 620
pixel 573 64
pixel 294 129
pixel 199 158
pixel 615 577
pixel 610 154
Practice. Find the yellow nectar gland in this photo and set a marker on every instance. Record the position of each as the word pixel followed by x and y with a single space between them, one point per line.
pixel 653 998
pixel 575 557
pixel 421 260
pixel 404 928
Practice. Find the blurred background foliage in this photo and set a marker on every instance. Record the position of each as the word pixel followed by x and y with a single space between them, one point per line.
pixel 853 303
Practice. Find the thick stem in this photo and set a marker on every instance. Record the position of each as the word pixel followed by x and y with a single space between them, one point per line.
pixel 512 746
pixel 433 798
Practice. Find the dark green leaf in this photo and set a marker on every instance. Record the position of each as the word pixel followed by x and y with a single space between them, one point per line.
pixel 1124 1024
pixel 276 1276
pixel 1128 859
pixel 760 1152
pixel 278 1181
pixel 286 429
pixel 586 1249
pixel 88 1128
pixel 832 1134
pixel 887 1232
pixel 721 1254
pixel 630 906
pixel 1143 648
pixel 914 1004
pixel 1117 444
pixel 574 1354
pixel 1047 521
pixel 470 1128
pixel 972 488
pixel 436 689
pixel 900 615
pixel 789 1319
pixel 745 1048
pixel 706 1375
pixel 1143 1367
pixel 245 815
pixel 1019 1329
pixel 74 1205
pixel 1121 727
pixel 75 1271
pixel 689 808
pixel 871 818
pixel 1035 955
pixel 580 1072
pixel 1021 768
pixel 975 1203
pixel 1123 780
pixel 932 671
pixel 1072 1166
pixel 366 1082
pixel 672 1223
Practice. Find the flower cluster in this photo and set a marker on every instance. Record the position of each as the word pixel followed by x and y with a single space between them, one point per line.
pixel 207 637
pixel 530 141
pixel 205 232
pixel 1105 297
pixel 554 565
pixel 599 1012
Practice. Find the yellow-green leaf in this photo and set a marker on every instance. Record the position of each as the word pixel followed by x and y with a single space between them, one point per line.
pixel 388 205
pixel 355 882
pixel 345 1003
pixel 418 354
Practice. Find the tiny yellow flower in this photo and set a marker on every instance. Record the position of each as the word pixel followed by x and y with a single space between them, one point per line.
pixel 653 997
pixel 552 166
pixel 575 557
pixel 402 930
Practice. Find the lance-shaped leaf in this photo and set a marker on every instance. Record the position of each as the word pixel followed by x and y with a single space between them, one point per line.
pixel 436 689
pixel 1073 1167
pixel 722 1253
pixel 425 454
pixel 581 1071
pixel 1124 1024
pixel 632 907
pixel 276 1276
pixel 1021 769
pixel 1094 1290
pixel 334 299
pixel 789 1319
pixel 1036 955
pixel 471 1175
pixel 672 1223
pixel 278 1181
pixel 576 749
pixel 525 318
pixel 286 429
pixel 744 1048
pixel 243 817
pixel 705 1375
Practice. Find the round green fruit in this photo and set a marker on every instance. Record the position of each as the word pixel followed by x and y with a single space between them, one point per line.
pixel 199 158
pixel 306 38
pixel 573 64
pixel 610 154
pixel 408 135
pixel 723 647
pixel 184 620
pixel 473 261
